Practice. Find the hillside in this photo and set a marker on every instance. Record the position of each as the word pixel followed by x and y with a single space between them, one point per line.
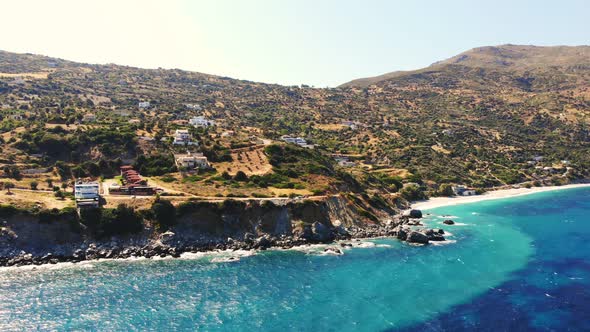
pixel 520 59
pixel 490 117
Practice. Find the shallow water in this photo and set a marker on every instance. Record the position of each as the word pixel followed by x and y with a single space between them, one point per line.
pixel 516 264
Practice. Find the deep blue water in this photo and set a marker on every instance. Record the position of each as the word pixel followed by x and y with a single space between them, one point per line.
pixel 518 264
pixel 550 293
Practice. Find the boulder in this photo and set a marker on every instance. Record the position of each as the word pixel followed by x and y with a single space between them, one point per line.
pixel 262 243
pixel 413 213
pixel 402 233
pixel 341 231
pixel 333 251
pixel 436 237
pixel 448 222
pixel 321 232
pixel 167 237
pixel 249 238
pixel 417 237
pixel 47 257
pixel 79 254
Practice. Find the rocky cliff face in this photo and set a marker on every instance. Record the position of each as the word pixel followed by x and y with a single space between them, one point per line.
pixel 199 226
pixel 22 232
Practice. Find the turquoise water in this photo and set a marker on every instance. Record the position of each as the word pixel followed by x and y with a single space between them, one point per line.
pixel 518 264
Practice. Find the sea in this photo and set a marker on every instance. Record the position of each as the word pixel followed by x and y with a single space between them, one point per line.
pixel 517 264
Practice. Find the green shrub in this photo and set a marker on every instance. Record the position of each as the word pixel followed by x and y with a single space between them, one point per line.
pixel 164 213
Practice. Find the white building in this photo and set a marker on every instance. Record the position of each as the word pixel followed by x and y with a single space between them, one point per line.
pixel 144 104
pixel 297 140
pixel 344 161
pixel 183 137
pixel 193 107
pixel 463 191
pixel 86 190
pixel 191 160
pixel 201 121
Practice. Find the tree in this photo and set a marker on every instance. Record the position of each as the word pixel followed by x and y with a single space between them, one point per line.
pixel 241 176
pixel 413 193
pixel 12 172
pixel 59 194
pixel 8 186
pixel 120 221
pixel 164 213
pixel 34 185
pixel 446 190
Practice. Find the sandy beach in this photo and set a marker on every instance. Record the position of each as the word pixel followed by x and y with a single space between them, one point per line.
pixel 436 202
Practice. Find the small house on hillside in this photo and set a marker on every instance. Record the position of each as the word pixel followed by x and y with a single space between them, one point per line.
pixel 193 107
pixel 201 121
pixel 144 104
pixel 191 161
pixel 183 137
pixel 344 161
pixel 461 190
pixel 297 140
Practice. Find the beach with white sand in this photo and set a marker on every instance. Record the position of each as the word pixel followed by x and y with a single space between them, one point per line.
pixel 436 202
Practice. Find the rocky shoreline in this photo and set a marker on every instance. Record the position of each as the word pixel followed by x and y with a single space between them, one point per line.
pixel 405 228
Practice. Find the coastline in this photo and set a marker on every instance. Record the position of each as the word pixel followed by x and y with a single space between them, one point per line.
pixel 437 202
pixel 159 248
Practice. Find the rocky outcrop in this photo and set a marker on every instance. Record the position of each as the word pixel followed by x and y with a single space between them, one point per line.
pixel 448 222
pixel 413 213
pixel 202 226
pixel 417 237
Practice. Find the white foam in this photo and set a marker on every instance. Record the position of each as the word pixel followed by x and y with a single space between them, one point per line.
pixel 442 243
pixel 225 259
pixel 457 224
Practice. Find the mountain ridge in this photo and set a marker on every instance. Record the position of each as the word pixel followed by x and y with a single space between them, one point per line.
pixel 501 57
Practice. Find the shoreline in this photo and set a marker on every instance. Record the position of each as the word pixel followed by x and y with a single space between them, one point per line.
pixel 335 248
pixel 437 202
pixel 401 229
pixel 94 252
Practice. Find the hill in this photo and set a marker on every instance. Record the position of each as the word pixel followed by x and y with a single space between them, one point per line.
pixel 522 59
pixel 490 117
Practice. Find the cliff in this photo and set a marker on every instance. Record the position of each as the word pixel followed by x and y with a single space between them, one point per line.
pixel 27 238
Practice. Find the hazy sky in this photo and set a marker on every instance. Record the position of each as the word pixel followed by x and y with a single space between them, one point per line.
pixel 316 42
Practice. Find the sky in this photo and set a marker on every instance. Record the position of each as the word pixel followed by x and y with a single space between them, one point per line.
pixel 315 42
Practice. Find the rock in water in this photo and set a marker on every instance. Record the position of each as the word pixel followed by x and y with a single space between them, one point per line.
pixel 448 222
pixel 413 214
pixel 333 251
pixel 417 237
